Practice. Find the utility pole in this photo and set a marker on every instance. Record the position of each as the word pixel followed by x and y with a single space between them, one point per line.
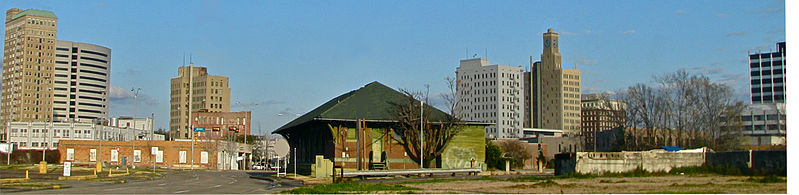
pixel 135 133
pixel 421 136
pixel 191 77
pixel 246 131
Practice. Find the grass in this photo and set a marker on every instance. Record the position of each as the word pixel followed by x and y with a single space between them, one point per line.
pixel 543 184
pixel 349 188
pixel 686 192
pixel 767 179
pixel 437 180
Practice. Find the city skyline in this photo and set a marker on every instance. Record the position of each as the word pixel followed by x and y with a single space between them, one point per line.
pixel 283 51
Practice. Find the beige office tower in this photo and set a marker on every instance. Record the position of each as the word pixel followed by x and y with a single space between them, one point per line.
pixel 554 92
pixel 28 62
pixel 210 93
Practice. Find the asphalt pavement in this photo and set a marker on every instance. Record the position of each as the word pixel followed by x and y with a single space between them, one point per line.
pixel 184 182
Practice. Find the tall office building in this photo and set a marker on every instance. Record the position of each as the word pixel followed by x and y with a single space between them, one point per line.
pixel 767 75
pixel 554 91
pixel 491 93
pixel 28 62
pixel 210 93
pixel 82 76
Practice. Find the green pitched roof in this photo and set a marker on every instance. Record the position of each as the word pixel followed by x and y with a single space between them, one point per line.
pixel 34 12
pixel 372 102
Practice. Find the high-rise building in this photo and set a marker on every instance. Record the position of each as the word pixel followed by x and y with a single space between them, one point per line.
pixel 764 124
pixel 28 62
pixel 599 113
pixel 767 75
pixel 82 79
pixel 210 93
pixel 554 92
pixel 491 93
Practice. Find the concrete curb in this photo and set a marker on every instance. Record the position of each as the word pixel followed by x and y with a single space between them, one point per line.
pixel 263 178
pixel 13 180
pixel 81 177
pixel 118 175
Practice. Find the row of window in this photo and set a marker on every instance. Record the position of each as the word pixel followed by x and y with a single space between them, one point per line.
pixel 34 144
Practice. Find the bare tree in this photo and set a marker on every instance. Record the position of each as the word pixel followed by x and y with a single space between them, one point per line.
pixel 437 133
pixel 683 109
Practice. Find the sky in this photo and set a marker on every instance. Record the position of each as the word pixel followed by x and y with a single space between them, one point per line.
pixel 292 56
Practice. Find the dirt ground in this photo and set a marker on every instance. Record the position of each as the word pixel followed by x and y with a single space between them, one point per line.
pixel 610 185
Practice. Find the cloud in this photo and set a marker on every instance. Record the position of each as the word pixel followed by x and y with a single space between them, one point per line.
pixel 119 95
pixel 779 10
pixel 776 31
pixel 587 31
pixel 707 70
pixel 583 61
pixel 567 33
pixel 681 11
pixel 722 15
pixel 627 32
pixel 740 33
pixel 132 71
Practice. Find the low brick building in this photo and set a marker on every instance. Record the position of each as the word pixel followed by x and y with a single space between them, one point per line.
pixel 161 153
pixel 220 124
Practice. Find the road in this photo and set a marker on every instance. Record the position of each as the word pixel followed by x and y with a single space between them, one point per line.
pixel 189 182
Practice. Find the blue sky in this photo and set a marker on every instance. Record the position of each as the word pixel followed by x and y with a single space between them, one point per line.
pixel 295 55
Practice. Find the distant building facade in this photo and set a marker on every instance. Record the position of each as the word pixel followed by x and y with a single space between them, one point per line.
pixel 767 75
pixel 28 63
pixel 599 113
pixel 132 123
pixel 42 135
pixel 210 93
pixel 764 124
pixel 492 94
pixel 554 92
pixel 221 124
pixel 82 80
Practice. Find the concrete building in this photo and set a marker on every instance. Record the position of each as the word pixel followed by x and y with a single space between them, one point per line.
pixel 491 94
pixel 41 135
pixel 764 124
pixel 82 77
pixel 210 93
pixel 132 123
pixel 554 92
pixel 767 75
pixel 28 62
pixel 599 113
pixel 221 124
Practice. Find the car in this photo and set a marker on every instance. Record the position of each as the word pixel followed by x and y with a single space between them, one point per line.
pixel 258 166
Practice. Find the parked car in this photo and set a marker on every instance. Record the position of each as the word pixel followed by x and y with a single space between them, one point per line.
pixel 258 166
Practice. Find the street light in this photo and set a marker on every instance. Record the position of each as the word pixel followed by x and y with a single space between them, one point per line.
pixel 135 134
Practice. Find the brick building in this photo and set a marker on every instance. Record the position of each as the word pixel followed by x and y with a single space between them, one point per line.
pixel 220 124
pixel 168 153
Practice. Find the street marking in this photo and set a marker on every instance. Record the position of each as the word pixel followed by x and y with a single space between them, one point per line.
pixel 114 189
pixel 162 184
pixel 231 182
pixel 216 186
pixel 178 192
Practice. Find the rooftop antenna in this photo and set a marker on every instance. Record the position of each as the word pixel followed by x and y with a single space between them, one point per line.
pixel 184 58
pixel 190 59
pixel 486 52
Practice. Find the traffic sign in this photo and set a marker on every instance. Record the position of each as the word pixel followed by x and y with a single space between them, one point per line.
pixel 199 129
pixel 117 148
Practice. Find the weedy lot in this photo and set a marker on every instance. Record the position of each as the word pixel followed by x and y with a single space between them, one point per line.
pixel 692 184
